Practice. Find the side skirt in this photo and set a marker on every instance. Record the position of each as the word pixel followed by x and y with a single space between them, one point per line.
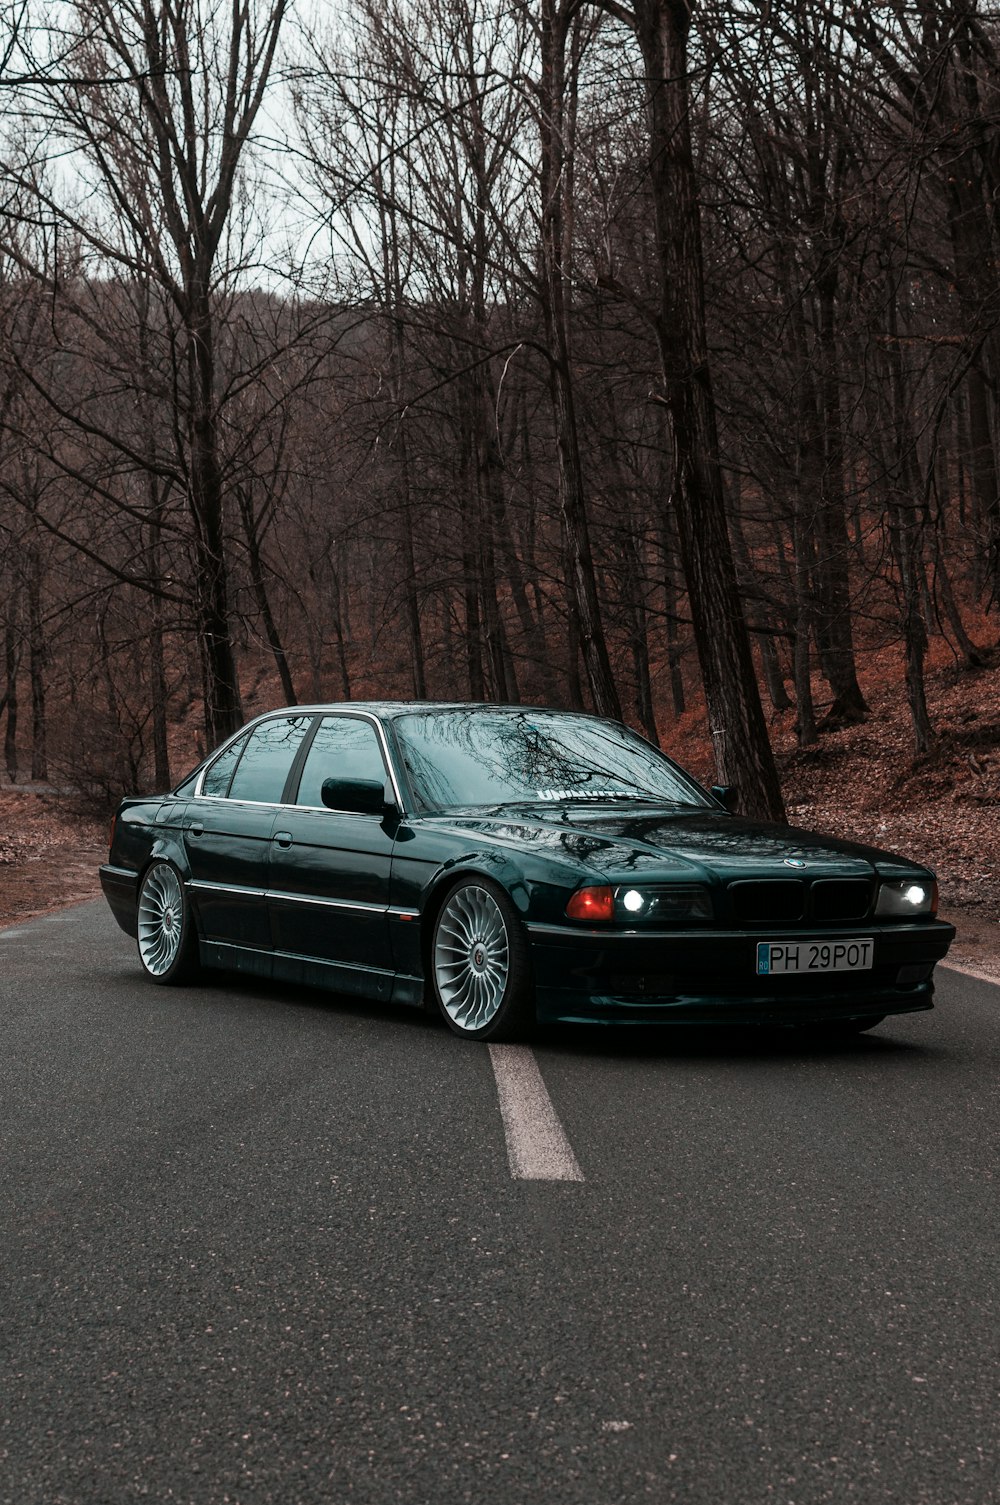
pixel 313 972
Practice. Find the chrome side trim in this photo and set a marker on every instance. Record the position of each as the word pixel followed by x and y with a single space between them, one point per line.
pixel 226 888
pixel 117 872
pixel 275 893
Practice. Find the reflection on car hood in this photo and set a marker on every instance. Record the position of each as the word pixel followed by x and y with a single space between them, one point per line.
pixel 678 844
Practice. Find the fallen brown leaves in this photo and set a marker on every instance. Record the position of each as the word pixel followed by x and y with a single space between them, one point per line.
pixel 48 855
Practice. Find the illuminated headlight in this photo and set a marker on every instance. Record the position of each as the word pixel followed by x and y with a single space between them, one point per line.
pixel 666 904
pixel 908 897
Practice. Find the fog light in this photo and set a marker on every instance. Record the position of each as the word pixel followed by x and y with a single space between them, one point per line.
pixel 915 972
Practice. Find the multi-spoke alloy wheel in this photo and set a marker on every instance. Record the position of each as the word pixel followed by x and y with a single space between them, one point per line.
pixel 166 940
pixel 479 960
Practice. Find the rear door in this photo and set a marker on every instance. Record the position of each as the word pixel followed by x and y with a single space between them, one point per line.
pixel 228 831
pixel 328 880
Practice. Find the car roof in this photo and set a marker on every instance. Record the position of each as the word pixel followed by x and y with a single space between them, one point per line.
pixel 393 708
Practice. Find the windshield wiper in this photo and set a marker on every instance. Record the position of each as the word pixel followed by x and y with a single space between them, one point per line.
pixel 636 798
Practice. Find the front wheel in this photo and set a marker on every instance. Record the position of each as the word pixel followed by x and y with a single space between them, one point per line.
pixel 168 945
pixel 480 964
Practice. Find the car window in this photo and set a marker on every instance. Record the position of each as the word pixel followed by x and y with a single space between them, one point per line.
pixel 343 748
pixel 267 760
pixel 221 771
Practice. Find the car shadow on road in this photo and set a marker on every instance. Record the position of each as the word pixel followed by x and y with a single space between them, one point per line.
pixel 242 990
pixel 721 1042
pixel 640 1042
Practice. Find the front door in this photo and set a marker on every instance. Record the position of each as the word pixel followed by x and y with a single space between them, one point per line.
pixel 328 877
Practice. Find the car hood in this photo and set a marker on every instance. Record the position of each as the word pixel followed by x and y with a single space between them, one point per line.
pixel 706 845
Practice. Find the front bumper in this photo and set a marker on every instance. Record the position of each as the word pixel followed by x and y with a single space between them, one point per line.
pixel 588 975
pixel 119 885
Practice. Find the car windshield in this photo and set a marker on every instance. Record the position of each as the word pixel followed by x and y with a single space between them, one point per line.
pixel 497 757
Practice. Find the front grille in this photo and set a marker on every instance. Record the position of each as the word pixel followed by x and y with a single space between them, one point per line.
pixel 777 901
pixel 841 898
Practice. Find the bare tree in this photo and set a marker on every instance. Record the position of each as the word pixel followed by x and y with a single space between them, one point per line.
pixel 157 103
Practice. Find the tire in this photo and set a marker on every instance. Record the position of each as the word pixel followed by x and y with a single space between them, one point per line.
pixel 168 942
pixel 480 966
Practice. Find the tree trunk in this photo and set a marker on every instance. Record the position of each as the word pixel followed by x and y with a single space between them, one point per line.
pixel 339 635
pixel 903 491
pixel 581 584
pixel 736 719
pixel 37 663
pixel 471 587
pixel 773 678
pixel 11 657
pixel 258 583
pixel 834 630
pixel 638 637
pixel 972 657
pixel 671 601
pixel 532 632
pixel 802 544
pixel 223 706
pixel 418 663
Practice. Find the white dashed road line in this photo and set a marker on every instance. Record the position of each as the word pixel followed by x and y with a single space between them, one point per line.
pixel 537 1147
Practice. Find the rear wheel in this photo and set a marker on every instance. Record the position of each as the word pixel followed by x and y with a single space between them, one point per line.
pixel 168 945
pixel 480 965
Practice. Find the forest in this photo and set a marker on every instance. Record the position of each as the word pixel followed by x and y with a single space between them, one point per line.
pixel 621 356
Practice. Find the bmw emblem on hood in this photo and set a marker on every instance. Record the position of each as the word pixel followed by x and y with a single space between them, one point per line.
pixel 794 862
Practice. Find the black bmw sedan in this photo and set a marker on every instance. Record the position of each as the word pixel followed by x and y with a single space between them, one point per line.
pixel 506 864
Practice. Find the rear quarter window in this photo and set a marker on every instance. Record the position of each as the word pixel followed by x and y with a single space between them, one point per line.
pixel 220 773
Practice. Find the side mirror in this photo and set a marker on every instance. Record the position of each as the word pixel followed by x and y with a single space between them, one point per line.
pixel 728 796
pixel 359 796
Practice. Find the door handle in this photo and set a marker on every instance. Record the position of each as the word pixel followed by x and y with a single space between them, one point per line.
pixel 196 828
pixel 283 838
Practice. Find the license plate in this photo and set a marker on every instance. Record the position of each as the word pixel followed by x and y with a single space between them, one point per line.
pixel 814 956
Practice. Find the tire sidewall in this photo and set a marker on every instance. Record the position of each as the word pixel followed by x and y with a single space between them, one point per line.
pixel 515 1016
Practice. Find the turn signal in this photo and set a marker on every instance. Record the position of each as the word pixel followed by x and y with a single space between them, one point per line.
pixel 592 904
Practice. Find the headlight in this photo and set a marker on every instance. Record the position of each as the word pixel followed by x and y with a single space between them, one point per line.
pixel 908 897
pixel 664 904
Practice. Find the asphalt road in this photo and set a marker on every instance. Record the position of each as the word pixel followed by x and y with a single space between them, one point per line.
pixel 262 1245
